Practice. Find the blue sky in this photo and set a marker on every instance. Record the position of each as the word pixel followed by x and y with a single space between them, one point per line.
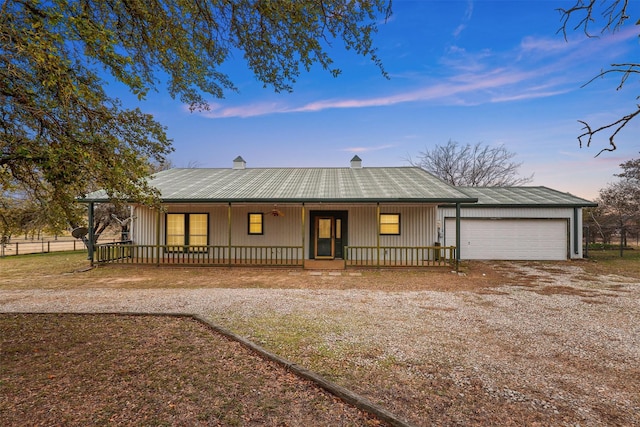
pixel 485 71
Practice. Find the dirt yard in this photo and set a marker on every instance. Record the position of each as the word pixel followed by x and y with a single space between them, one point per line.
pixel 499 344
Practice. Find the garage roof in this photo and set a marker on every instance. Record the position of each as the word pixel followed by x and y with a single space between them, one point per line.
pixel 523 197
pixel 354 184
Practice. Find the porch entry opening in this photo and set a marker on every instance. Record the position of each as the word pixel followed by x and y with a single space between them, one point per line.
pixel 328 234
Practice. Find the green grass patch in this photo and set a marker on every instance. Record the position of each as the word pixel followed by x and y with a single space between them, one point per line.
pixel 44 263
pixel 317 341
pixel 609 261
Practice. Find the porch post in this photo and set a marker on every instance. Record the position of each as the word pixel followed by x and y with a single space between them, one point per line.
pixel 229 231
pixel 576 231
pixel 378 234
pixel 158 237
pixel 91 234
pixel 303 230
pixel 458 240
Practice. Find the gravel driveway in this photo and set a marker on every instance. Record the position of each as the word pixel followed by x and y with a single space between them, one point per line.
pixel 547 340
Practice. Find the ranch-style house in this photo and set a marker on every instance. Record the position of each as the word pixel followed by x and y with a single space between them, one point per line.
pixel 340 217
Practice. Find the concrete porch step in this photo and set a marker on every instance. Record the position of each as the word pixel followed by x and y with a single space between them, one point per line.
pixel 324 264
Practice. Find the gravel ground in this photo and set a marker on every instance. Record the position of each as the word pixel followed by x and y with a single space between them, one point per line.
pixel 550 339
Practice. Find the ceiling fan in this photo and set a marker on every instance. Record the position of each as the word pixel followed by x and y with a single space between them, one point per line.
pixel 275 211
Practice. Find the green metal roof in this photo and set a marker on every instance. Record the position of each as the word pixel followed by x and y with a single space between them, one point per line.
pixel 384 184
pixel 523 197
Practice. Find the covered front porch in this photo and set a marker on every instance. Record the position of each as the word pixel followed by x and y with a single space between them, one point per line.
pixel 298 235
pixel 369 217
pixel 272 256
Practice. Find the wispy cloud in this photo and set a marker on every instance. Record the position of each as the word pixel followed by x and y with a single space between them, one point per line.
pixel 468 13
pixel 367 149
pixel 219 111
pixel 537 68
pixel 447 92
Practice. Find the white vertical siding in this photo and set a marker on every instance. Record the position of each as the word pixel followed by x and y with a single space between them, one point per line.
pixel 525 213
pixel 510 239
pixel 144 226
pixel 417 224
pixel 283 230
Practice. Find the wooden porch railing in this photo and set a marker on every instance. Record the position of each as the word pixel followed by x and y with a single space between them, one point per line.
pixel 127 253
pixel 284 256
pixel 399 256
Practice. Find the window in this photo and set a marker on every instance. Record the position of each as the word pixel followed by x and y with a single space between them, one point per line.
pixel 255 223
pixel 324 228
pixel 175 230
pixel 198 229
pixel 390 224
pixel 187 230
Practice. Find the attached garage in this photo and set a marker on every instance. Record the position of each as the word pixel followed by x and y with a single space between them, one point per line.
pixel 515 223
pixel 509 239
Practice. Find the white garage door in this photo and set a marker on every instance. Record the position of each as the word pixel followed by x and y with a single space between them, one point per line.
pixel 509 239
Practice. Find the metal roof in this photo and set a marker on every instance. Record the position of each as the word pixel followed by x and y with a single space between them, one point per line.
pixel 375 184
pixel 523 196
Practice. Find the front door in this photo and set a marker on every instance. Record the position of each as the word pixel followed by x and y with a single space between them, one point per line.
pixel 337 237
pixel 328 234
pixel 325 237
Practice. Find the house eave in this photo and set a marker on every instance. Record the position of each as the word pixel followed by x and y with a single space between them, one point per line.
pixel 322 200
pixel 515 205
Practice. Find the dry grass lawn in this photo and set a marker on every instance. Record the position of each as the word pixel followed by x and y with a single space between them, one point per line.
pixel 148 370
pixel 502 343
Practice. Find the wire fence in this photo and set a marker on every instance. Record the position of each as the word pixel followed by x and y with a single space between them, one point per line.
pixel 14 247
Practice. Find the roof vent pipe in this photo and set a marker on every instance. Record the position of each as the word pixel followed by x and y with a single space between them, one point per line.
pixel 239 163
pixel 356 162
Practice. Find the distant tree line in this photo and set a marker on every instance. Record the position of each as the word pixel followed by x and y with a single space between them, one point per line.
pixel 24 218
pixel 618 213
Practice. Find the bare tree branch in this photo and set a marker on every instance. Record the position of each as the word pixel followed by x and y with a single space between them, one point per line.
pixel 472 165
pixel 626 70
pixel 615 14
pixel 617 126
pixel 588 14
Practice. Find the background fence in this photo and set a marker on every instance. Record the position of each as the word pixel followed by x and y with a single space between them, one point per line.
pixel 23 247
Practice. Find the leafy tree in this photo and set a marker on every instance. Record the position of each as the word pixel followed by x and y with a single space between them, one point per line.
pixel 106 217
pixel 62 134
pixel 8 219
pixel 472 165
pixel 620 202
pixel 601 16
pixel 618 210
pixel 593 218
pixel 20 216
pixel 631 171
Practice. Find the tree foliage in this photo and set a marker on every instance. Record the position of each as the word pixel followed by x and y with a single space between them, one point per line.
pixel 19 216
pixel 107 217
pixel 593 17
pixel 62 134
pixel 472 165
pixel 618 210
pixel 631 171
